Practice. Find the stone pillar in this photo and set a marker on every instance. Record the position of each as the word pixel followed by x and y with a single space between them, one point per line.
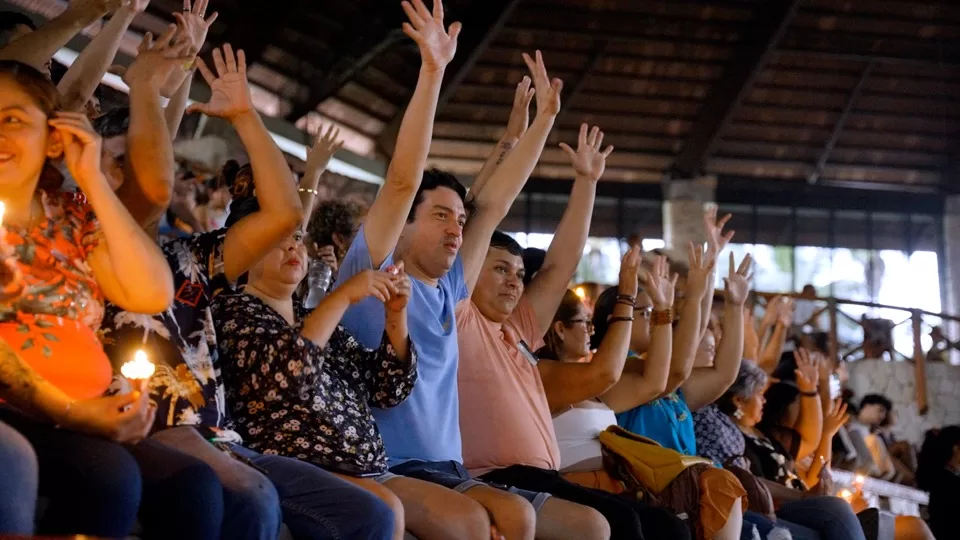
pixel 950 266
pixel 683 205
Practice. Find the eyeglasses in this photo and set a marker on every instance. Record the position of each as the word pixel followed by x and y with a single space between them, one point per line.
pixel 587 322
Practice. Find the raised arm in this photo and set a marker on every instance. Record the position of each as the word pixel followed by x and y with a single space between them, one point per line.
pixel 516 127
pixel 569 383
pixel 280 212
pixel 717 240
pixel 686 338
pixel 810 422
pixel 389 211
pixel 498 193
pixel 192 25
pixel 38 47
pixel 326 145
pixel 84 75
pixel 642 381
pixel 705 385
pixel 773 350
pixel 546 290
pixel 127 264
pixel 150 167
pixel 835 418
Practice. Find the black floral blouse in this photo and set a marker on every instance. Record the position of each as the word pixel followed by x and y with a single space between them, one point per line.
pixel 289 397
pixel 771 460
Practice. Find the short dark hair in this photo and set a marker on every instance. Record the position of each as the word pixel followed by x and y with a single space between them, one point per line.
pixel 113 123
pixel 435 179
pixel 9 21
pixel 532 262
pixel 334 217
pixel 504 241
pixel 876 399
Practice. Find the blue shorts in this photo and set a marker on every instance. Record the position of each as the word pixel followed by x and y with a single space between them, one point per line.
pixel 452 475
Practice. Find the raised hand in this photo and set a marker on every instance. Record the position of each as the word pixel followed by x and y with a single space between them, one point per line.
pixel 191 22
pixel 806 371
pixel 716 238
pixel 327 144
pixel 700 273
pixel 96 8
pixel 230 91
pixel 835 418
pixel 629 271
pixel 379 285
pixel 81 147
pixel 772 312
pixel 785 312
pixel 400 295
pixel 437 44
pixel 588 161
pixel 157 61
pixel 660 285
pixel 547 90
pixel 520 114
pixel 737 283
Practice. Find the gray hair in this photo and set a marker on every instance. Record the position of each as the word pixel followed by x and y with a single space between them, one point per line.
pixel 750 381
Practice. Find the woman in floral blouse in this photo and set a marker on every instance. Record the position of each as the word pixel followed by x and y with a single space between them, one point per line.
pixel 297 384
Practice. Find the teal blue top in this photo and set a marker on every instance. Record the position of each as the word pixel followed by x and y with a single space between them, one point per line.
pixel 666 420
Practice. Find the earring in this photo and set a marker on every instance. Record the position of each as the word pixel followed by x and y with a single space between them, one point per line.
pixel 738 414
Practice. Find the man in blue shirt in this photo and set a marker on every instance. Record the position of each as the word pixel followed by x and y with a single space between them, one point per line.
pixel 421 219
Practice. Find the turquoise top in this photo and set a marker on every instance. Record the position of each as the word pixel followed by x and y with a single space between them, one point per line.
pixel 666 420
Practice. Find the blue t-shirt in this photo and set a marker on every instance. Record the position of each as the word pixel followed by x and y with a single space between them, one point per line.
pixel 427 425
pixel 666 420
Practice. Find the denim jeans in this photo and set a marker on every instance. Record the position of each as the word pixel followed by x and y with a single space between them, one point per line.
pixel 765 526
pixel 92 485
pixel 258 495
pixel 831 517
pixel 19 478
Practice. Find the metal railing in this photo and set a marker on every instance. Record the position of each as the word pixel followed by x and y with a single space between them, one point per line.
pixel 833 309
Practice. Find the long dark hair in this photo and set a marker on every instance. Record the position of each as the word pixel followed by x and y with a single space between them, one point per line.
pixel 779 397
pixel 936 451
pixel 553 345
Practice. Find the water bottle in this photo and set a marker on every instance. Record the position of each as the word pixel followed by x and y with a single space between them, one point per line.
pixel 318 281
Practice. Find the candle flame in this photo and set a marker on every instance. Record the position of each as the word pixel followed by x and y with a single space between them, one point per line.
pixel 846 494
pixel 580 292
pixel 139 368
pixel 3 209
pixel 859 479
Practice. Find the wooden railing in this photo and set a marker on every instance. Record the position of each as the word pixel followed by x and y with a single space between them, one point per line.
pixel 832 307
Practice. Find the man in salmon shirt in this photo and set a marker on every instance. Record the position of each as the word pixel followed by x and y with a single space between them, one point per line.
pixel 505 413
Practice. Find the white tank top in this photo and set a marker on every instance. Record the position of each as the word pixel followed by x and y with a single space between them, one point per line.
pixel 578 431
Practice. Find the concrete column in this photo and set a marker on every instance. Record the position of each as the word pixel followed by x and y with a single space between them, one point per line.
pixel 950 266
pixel 683 205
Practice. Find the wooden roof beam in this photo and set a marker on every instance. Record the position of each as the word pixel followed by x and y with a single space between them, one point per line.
pixel 480 25
pixel 814 175
pixel 747 61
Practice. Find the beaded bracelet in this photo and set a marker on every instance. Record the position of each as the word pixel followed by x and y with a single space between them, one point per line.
pixel 620 319
pixel 627 299
pixel 308 190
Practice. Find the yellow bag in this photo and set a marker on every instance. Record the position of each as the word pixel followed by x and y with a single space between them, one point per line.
pixel 649 463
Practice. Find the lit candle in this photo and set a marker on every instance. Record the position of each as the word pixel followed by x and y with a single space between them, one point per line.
pixel 3 208
pixel 859 480
pixel 140 368
pixel 580 292
pixel 846 495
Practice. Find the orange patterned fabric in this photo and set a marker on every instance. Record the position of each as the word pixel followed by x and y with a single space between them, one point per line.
pixel 53 323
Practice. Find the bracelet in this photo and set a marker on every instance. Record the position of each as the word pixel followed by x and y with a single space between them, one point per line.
pixel 626 299
pixel 661 317
pixel 619 319
pixel 812 393
pixel 626 303
pixel 308 190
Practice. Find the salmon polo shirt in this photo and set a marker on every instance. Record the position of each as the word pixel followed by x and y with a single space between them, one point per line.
pixel 504 416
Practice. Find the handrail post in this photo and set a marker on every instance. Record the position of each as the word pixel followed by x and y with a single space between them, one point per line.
pixel 919 362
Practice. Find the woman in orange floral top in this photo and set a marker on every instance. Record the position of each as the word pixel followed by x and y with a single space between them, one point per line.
pixel 58 266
